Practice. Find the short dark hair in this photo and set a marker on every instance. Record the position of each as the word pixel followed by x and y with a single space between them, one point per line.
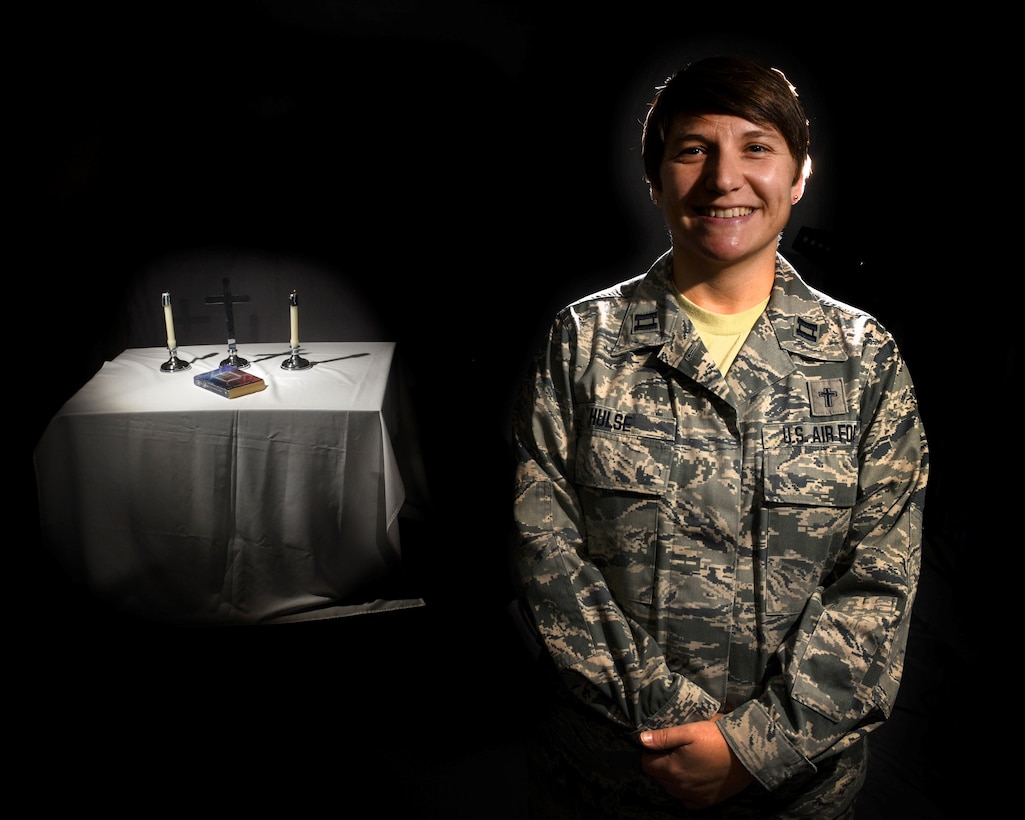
pixel 731 85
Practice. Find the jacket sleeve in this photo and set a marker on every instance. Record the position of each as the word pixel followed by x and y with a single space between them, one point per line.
pixel 836 677
pixel 604 657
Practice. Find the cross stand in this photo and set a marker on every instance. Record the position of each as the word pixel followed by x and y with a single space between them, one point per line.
pixel 228 300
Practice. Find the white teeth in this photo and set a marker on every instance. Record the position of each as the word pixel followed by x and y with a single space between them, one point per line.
pixel 726 213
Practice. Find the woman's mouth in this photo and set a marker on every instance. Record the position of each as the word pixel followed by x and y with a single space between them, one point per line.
pixel 724 213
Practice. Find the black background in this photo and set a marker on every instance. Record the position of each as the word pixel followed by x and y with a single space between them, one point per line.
pixel 468 168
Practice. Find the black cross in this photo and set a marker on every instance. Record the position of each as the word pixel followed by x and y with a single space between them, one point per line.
pixel 228 300
pixel 828 395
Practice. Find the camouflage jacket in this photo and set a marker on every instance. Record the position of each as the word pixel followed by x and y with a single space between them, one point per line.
pixel 689 543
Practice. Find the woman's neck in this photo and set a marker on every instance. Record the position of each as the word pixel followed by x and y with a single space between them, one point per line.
pixel 725 289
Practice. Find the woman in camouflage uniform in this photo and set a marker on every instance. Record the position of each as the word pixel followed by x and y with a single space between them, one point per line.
pixel 720 480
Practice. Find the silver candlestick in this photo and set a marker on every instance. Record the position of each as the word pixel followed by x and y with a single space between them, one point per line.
pixel 295 361
pixel 174 364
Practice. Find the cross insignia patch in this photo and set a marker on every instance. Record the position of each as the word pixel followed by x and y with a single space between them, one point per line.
pixel 827 397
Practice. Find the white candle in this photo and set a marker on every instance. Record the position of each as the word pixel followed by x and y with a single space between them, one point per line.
pixel 293 301
pixel 165 298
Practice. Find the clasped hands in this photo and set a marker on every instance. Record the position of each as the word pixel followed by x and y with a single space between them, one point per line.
pixel 693 763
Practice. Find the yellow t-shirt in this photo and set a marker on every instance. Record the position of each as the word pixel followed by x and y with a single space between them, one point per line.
pixel 722 333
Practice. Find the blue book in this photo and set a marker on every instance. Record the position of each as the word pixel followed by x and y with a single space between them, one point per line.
pixel 230 382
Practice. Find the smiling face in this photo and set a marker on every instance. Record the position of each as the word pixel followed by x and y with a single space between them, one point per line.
pixel 726 187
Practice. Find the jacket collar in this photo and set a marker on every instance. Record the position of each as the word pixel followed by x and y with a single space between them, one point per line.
pixel 794 323
pixel 654 318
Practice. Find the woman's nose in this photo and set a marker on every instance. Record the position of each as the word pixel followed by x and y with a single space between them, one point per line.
pixel 723 173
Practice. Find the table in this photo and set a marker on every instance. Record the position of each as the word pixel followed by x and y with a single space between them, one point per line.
pixel 177 504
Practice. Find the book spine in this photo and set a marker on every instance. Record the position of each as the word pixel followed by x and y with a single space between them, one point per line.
pixel 213 388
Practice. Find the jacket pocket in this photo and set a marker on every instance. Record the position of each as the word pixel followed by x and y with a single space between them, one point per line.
pixel 809 487
pixel 621 481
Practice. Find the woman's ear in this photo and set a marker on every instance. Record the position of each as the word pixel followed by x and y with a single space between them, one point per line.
pixel 797 189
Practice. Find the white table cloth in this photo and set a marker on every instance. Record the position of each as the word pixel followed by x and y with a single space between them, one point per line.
pixel 178 504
